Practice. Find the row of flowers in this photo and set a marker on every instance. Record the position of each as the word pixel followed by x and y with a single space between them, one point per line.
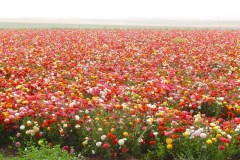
pixel 161 93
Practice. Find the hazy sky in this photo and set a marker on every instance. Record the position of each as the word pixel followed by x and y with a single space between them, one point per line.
pixel 98 9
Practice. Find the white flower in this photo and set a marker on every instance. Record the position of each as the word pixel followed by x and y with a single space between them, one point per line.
pixel 203 135
pixel 212 124
pixel 192 127
pixel 155 133
pixel 121 142
pixel 77 126
pixel 22 127
pixel 229 137
pixel 238 127
pixel 140 140
pixel 103 137
pixel 200 129
pixel 197 133
pixel 17 114
pixel 32 132
pixel 77 117
pixel 221 98
pixel 93 152
pixel 98 144
pixel 100 129
pixel 29 122
pixel 28 132
pixel 223 133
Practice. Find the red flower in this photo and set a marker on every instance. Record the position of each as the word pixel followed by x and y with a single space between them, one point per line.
pixel 124 149
pixel 152 135
pixel 115 141
pixel 105 145
pixel 224 140
pixel 143 142
pixel 175 136
pixel 114 154
pixel 66 148
pixel 221 147
pixel 152 142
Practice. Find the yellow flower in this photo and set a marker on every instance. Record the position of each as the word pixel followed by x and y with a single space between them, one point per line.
pixel 150 120
pixel 36 129
pixel 231 131
pixel 125 134
pixel 9 90
pixel 164 103
pixel 19 87
pixel 6 114
pixel 218 135
pixel 214 139
pixel 159 114
pixel 169 146
pixel 97 119
pixel 40 142
pixel 112 130
pixel 25 102
pixel 209 141
pixel 185 134
pixel 216 128
pixel 85 142
pixel 169 140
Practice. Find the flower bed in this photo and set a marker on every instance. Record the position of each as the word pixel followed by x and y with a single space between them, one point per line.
pixel 114 93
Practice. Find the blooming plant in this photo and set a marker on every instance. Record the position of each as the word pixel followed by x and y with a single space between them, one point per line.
pixel 118 93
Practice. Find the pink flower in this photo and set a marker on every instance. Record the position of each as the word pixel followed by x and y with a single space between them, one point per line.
pixel 11 117
pixel 18 134
pixel 72 151
pixel 66 148
pixel 17 144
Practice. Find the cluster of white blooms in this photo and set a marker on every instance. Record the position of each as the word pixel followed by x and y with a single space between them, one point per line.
pixel 237 128
pixel 195 133
pixel 32 131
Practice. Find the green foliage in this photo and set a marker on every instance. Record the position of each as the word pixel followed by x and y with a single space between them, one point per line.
pixel 212 110
pixel 198 149
pixel 1 156
pixel 44 152
pixel 158 153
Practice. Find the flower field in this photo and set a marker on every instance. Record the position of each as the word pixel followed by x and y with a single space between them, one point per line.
pixel 152 94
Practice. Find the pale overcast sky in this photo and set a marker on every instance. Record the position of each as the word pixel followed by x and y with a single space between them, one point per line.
pixel 100 9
